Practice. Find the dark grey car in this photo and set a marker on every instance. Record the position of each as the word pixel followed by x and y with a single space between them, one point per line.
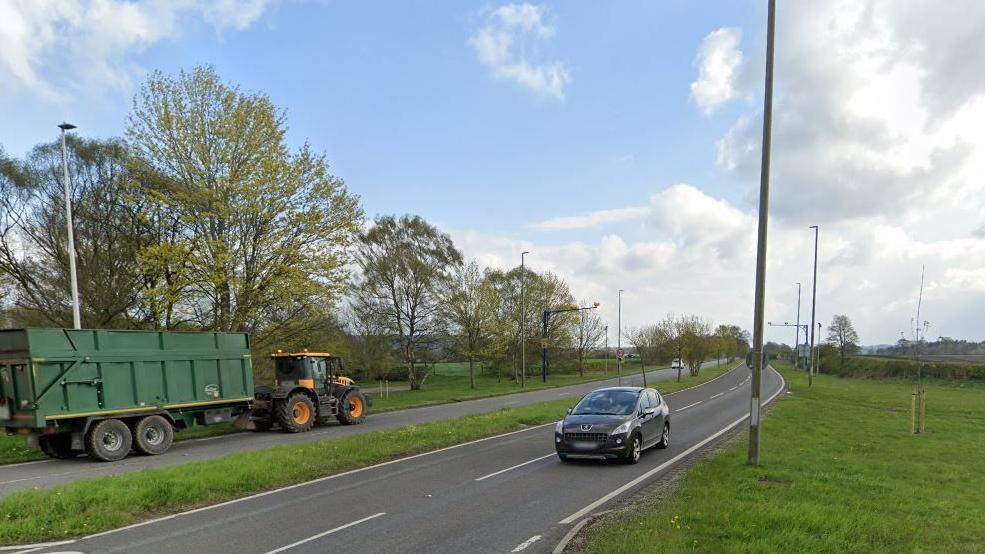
pixel 614 423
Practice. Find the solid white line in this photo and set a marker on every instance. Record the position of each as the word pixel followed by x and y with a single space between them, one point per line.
pixel 688 406
pixel 32 547
pixel 523 545
pixel 326 533
pixel 312 482
pixel 559 549
pixel 717 395
pixel 18 464
pixel 528 462
pixel 588 509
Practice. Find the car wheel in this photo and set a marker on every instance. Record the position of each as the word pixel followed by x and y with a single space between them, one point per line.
pixel 635 450
pixel 664 437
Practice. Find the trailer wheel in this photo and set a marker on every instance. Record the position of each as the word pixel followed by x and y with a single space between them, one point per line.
pixel 109 440
pixel 352 408
pixel 152 435
pixel 58 446
pixel 296 414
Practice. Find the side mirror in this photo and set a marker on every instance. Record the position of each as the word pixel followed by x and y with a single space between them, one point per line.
pixel 649 411
pixel 569 410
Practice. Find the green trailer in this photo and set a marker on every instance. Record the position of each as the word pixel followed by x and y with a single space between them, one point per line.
pixel 107 392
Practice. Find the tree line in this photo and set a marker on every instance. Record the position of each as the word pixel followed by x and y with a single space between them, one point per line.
pixel 202 218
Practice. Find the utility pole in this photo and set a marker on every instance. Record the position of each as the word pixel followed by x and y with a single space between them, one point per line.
pixel 523 316
pixel 813 369
pixel 619 338
pixel 796 333
pixel 764 204
pixel 76 315
pixel 605 369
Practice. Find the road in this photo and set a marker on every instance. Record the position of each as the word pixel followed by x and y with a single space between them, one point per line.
pixel 49 473
pixel 503 494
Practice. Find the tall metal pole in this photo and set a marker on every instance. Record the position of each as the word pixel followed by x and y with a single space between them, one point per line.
pixel 523 317
pixel 543 365
pixel 619 338
pixel 605 369
pixel 76 316
pixel 796 333
pixel 764 204
pixel 813 369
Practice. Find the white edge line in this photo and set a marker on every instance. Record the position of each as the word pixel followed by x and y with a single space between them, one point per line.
pixel 326 533
pixel 18 464
pixel 528 462
pixel 588 509
pixel 31 547
pixel 525 544
pixel 716 396
pixel 571 534
pixel 306 483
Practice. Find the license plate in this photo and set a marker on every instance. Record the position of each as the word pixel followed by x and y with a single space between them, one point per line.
pixel 582 445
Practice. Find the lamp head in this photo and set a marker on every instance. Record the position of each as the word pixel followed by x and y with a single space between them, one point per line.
pixel 66 126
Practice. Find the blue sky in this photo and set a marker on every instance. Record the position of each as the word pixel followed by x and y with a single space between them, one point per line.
pixel 618 142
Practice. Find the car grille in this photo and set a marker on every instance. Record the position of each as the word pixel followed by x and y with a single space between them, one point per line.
pixel 588 437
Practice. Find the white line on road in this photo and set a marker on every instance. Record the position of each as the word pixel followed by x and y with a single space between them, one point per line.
pixel 717 395
pixel 326 533
pixel 688 406
pixel 528 462
pixel 523 545
pixel 588 509
pixel 733 388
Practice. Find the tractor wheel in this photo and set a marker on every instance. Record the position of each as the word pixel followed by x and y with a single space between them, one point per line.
pixel 109 440
pixel 352 408
pixel 58 446
pixel 152 435
pixel 296 414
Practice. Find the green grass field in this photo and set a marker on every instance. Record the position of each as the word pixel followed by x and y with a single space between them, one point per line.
pixel 840 473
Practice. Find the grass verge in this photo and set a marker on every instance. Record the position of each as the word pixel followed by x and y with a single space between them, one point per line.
pixel 95 505
pixel 840 473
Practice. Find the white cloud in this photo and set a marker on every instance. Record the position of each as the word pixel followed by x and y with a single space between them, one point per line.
pixel 509 42
pixel 719 63
pixel 592 219
pixel 54 48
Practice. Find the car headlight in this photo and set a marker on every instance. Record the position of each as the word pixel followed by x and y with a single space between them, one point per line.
pixel 624 428
pixel 560 425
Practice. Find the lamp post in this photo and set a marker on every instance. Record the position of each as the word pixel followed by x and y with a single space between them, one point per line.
pixel 764 204
pixel 812 369
pixel 796 334
pixel 547 320
pixel 605 369
pixel 619 339
pixel 76 316
pixel 523 316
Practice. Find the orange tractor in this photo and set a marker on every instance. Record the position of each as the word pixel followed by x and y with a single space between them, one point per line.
pixel 310 388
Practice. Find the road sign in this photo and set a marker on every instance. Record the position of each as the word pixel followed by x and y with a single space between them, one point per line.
pixel 543 343
pixel 620 353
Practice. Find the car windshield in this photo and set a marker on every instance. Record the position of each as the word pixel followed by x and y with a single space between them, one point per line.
pixel 607 402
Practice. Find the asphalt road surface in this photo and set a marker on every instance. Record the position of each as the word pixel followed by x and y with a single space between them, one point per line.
pixel 503 494
pixel 49 473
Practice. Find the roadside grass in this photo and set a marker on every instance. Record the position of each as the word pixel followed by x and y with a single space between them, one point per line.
pixel 94 505
pixel 840 473
pixel 448 386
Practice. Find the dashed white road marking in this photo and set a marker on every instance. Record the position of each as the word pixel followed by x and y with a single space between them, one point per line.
pixel 523 545
pixel 717 395
pixel 528 462
pixel 688 406
pixel 326 533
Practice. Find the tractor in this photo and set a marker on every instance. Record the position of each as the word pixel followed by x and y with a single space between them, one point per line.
pixel 310 389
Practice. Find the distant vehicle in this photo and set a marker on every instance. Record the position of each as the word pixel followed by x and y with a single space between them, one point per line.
pixel 677 364
pixel 614 423
pixel 630 355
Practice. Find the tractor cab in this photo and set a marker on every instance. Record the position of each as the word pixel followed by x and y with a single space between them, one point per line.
pixel 309 388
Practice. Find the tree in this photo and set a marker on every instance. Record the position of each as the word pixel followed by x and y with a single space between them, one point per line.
pixel 643 340
pixel 369 344
pixel 470 304
pixel 108 235
pixel 695 340
pixel 588 333
pixel 262 233
pixel 405 263
pixel 841 333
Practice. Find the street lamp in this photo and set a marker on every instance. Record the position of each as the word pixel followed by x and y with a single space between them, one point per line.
pixel 523 316
pixel 796 329
pixel 812 369
pixel 547 319
pixel 796 334
pixel 619 339
pixel 76 316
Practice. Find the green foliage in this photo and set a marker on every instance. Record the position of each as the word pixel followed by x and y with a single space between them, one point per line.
pixel 261 233
pixel 840 473
pixel 900 368
pixel 469 303
pixel 404 264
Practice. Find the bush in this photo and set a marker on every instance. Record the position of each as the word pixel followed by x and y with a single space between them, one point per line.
pixel 882 368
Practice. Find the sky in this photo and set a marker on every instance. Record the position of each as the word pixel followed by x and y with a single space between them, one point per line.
pixel 619 143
